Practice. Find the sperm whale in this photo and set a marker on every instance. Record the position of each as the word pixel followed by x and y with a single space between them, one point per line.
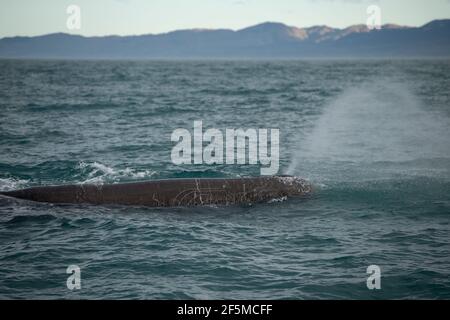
pixel 171 192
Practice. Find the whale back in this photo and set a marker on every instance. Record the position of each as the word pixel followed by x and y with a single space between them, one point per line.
pixel 171 192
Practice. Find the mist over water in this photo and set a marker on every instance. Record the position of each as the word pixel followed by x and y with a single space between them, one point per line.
pixel 372 136
pixel 373 130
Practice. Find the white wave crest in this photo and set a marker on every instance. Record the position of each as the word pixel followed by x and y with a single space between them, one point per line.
pixel 281 199
pixel 98 173
pixel 7 184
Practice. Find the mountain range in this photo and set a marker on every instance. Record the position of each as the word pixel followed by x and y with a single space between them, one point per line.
pixel 266 40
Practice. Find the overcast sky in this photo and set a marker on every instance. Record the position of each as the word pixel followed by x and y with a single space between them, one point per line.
pixel 125 17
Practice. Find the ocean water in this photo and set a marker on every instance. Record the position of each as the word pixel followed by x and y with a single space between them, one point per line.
pixel 373 137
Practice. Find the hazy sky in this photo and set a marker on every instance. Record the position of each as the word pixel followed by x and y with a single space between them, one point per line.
pixel 124 17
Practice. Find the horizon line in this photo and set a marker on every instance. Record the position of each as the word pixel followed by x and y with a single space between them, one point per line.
pixel 216 29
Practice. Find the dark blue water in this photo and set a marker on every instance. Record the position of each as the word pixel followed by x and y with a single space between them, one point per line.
pixel 372 136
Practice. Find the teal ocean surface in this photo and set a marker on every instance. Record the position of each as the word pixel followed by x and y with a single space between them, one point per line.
pixel 373 137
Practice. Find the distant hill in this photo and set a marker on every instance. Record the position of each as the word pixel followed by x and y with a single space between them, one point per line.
pixel 266 40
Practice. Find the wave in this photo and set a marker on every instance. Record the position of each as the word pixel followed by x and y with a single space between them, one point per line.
pixel 35 219
pixel 7 184
pixel 98 173
pixel 75 107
